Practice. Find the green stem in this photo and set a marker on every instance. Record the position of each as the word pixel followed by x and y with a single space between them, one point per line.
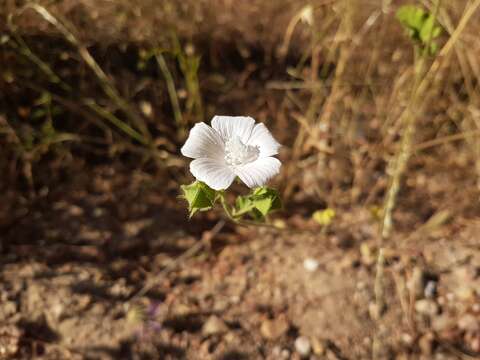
pixel 409 118
pixel 225 208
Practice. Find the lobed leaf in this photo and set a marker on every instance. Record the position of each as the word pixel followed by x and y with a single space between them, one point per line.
pixel 258 204
pixel 200 197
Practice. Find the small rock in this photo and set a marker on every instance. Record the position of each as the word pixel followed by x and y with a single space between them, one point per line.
pixel 302 346
pixel 331 355
pixel 75 210
pixel 319 347
pixel 8 308
pixel 285 354
pixel 146 108
pixel 98 212
pixel 310 264
pixel 426 307
pixel 279 353
pixel 443 322
pixel 230 337
pixel 10 336
pixel 221 304
pixel 275 328
pixel 469 322
pixel 276 351
pixel 430 289
pixel 214 326
pixel 407 339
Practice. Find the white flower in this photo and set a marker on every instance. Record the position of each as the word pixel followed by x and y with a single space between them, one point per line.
pixel 232 146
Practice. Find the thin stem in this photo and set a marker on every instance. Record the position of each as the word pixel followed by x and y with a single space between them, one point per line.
pixel 401 161
pixel 116 121
pixel 226 209
pixel 172 92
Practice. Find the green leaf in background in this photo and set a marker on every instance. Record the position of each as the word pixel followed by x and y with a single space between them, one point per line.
pixel 258 204
pixel 412 17
pixel 200 197
pixel 429 30
pixel 420 25
pixel 48 131
pixel 324 217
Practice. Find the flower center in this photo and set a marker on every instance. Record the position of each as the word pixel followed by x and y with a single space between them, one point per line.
pixel 237 153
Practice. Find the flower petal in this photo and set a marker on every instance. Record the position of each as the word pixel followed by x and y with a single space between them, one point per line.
pixel 203 142
pixel 263 138
pixel 214 173
pixel 258 172
pixel 231 126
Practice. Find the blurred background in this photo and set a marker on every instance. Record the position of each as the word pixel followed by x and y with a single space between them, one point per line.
pixel 380 128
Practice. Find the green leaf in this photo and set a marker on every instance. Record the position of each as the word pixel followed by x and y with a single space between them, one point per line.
pixel 200 197
pixel 258 204
pixel 324 217
pixel 420 26
pixel 429 30
pixel 412 18
pixel 243 205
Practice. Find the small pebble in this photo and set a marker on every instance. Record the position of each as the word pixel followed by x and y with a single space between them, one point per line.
pixel 443 322
pixel 302 346
pixel 430 289
pixel 275 328
pixel 214 326
pixel 426 307
pixel 407 339
pixel 310 264
pixel 285 354
pixel 276 351
pixel 319 347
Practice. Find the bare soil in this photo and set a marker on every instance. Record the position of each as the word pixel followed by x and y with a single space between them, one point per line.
pixel 73 264
pixel 99 261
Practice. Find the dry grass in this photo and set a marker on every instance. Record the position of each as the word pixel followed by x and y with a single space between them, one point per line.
pixel 335 79
pixel 338 76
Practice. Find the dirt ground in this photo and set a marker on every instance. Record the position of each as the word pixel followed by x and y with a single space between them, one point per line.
pixel 98 259
pixel 74 266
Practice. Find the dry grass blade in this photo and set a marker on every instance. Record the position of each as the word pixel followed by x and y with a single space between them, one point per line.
pixel 103 79
pixel 409 117
pixel 172 92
